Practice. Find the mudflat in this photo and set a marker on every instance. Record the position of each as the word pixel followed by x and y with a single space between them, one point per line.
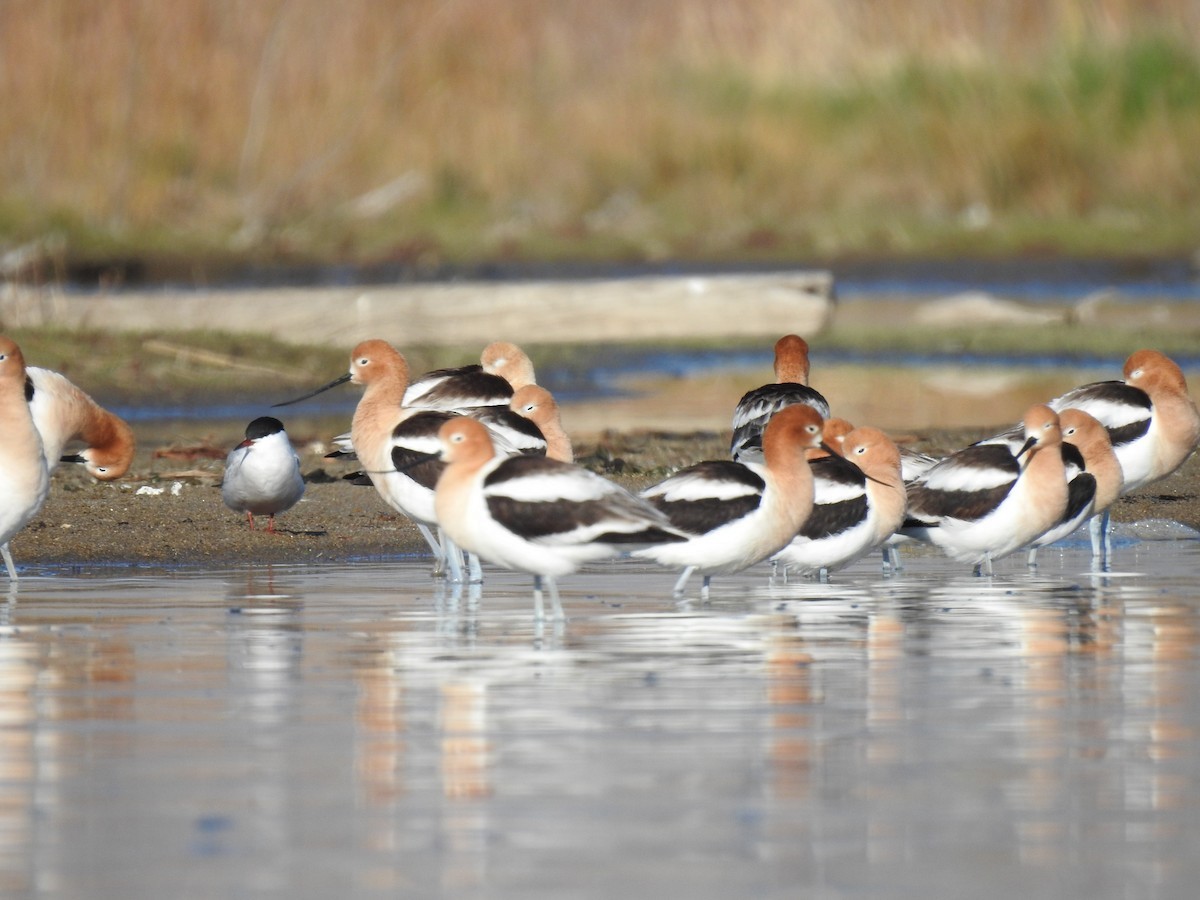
pixel 167 510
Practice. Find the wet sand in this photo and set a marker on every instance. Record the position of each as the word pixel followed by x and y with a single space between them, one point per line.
pixel 169 511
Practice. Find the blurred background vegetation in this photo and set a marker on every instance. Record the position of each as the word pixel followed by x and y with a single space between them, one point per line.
pixel 444 132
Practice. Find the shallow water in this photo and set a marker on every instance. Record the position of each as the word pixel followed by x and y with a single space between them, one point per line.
pixel 355 731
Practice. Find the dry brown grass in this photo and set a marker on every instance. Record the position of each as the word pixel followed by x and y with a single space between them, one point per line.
pixel 685 127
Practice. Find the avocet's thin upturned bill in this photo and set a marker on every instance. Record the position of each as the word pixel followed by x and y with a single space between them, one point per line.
pixel 985 502
pixel 756 407
pixel 24 476
pixel 262 473
pixel 63 413
pixel 739 513
pixel 535 514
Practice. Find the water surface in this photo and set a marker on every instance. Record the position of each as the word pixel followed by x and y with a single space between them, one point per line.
pixel 362 731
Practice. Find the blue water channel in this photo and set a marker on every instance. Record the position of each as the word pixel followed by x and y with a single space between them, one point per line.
pixel 1172 281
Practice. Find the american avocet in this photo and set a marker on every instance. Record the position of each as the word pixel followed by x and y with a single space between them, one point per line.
pixel 858 503
pixel 62 413
pixel 833 436
pixel 835 432
pixel 914 463
pixel 24 476
pixel 416 451
pixel 509 361
pixel 739 513
pixel 756 407
pixel 1152 422
pixel 503 368
pixel 529 424
pixel 383 371
pixel 483 390
pixel 1094 479
pixel 262 473
pixel 517 428
pixel 539 406
pixel 985 502
pixel 535 514
pixel 511 432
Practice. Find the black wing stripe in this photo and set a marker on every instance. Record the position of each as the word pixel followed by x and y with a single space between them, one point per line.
pixel 829 519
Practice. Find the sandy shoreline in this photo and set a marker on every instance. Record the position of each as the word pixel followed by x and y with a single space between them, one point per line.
pixel 167 513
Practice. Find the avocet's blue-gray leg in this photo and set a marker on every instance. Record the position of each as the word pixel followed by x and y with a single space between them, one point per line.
pixel 539 604
pixel 555 602
pixel 453 556
pixel 683 580
pixel 8 562
pixel 439 555
pixel 474 568
pixel 1101 537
